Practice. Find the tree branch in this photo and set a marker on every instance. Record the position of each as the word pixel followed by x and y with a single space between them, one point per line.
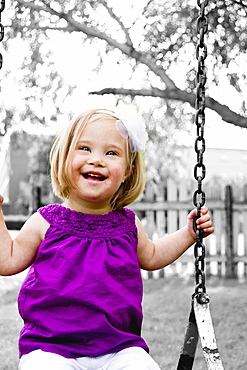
pixel 113 15
pixel 38 8
pixel 240 2
pixel 170 92
pixel 176 94
pixel 91 32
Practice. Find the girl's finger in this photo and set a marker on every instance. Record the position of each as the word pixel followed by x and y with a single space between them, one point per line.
pixel 203 219
pixel 205 225
pixel 204 210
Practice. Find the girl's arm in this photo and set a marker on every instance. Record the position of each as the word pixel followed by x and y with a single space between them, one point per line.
pixel 18 254
pixel 153 255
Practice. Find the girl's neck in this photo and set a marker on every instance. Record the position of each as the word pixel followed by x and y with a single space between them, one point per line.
pixel 91 208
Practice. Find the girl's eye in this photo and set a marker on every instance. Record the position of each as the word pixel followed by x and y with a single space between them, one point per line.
pixel 111 152
pixel 85 148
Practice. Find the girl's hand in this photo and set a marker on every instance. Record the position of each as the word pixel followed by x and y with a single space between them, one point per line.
pixel 204 222
pixel 1 199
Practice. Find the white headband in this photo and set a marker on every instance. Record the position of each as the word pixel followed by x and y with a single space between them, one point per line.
pixel 131 125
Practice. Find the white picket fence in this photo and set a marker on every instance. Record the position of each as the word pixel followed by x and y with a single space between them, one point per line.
pixel 163 210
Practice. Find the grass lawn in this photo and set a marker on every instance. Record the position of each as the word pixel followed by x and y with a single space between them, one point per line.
pixel 166 309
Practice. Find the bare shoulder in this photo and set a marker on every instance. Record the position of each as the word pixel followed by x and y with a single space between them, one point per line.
pixel 37 225
pixel 140 227
pixel 145 246
pixel 27 242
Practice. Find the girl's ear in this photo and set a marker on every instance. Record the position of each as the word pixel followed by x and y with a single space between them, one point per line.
pixel 128 173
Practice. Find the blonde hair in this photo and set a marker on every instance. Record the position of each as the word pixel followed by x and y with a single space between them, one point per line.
pixel 61 157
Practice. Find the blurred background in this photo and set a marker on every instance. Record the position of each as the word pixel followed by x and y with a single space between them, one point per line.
pixel 62 57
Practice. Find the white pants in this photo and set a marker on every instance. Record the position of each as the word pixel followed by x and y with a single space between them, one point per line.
pixel 134 358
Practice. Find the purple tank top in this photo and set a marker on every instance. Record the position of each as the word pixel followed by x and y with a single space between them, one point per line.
pixel 82 295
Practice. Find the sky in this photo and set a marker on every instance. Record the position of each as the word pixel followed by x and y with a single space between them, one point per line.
pixel 75 63
pixel 217 132
pixel 220 134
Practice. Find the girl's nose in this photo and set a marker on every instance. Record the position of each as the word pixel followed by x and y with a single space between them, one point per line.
pixel 96 161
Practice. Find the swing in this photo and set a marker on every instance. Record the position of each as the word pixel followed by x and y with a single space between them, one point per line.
pixel 200 322
pixel 2 6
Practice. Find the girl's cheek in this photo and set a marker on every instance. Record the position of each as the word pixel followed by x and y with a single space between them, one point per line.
pixel 118 173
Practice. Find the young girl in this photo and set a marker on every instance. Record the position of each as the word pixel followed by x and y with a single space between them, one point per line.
pixel 81 300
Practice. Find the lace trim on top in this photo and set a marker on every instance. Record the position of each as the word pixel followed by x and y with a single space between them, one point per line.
pixel 86 225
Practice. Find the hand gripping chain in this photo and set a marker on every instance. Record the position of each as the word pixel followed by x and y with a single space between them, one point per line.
pixel 200 169
pixel 200 323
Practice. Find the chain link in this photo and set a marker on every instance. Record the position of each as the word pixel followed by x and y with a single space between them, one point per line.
pixel 2 6
pixel 200 169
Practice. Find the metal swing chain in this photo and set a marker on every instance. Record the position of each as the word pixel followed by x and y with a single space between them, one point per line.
pixel 200 169
pixel 2 6
pixel 200 323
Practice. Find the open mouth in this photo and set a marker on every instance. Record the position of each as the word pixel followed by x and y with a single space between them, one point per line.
pixel 93 177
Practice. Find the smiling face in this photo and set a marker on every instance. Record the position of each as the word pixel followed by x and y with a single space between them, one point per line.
pixel 98 167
